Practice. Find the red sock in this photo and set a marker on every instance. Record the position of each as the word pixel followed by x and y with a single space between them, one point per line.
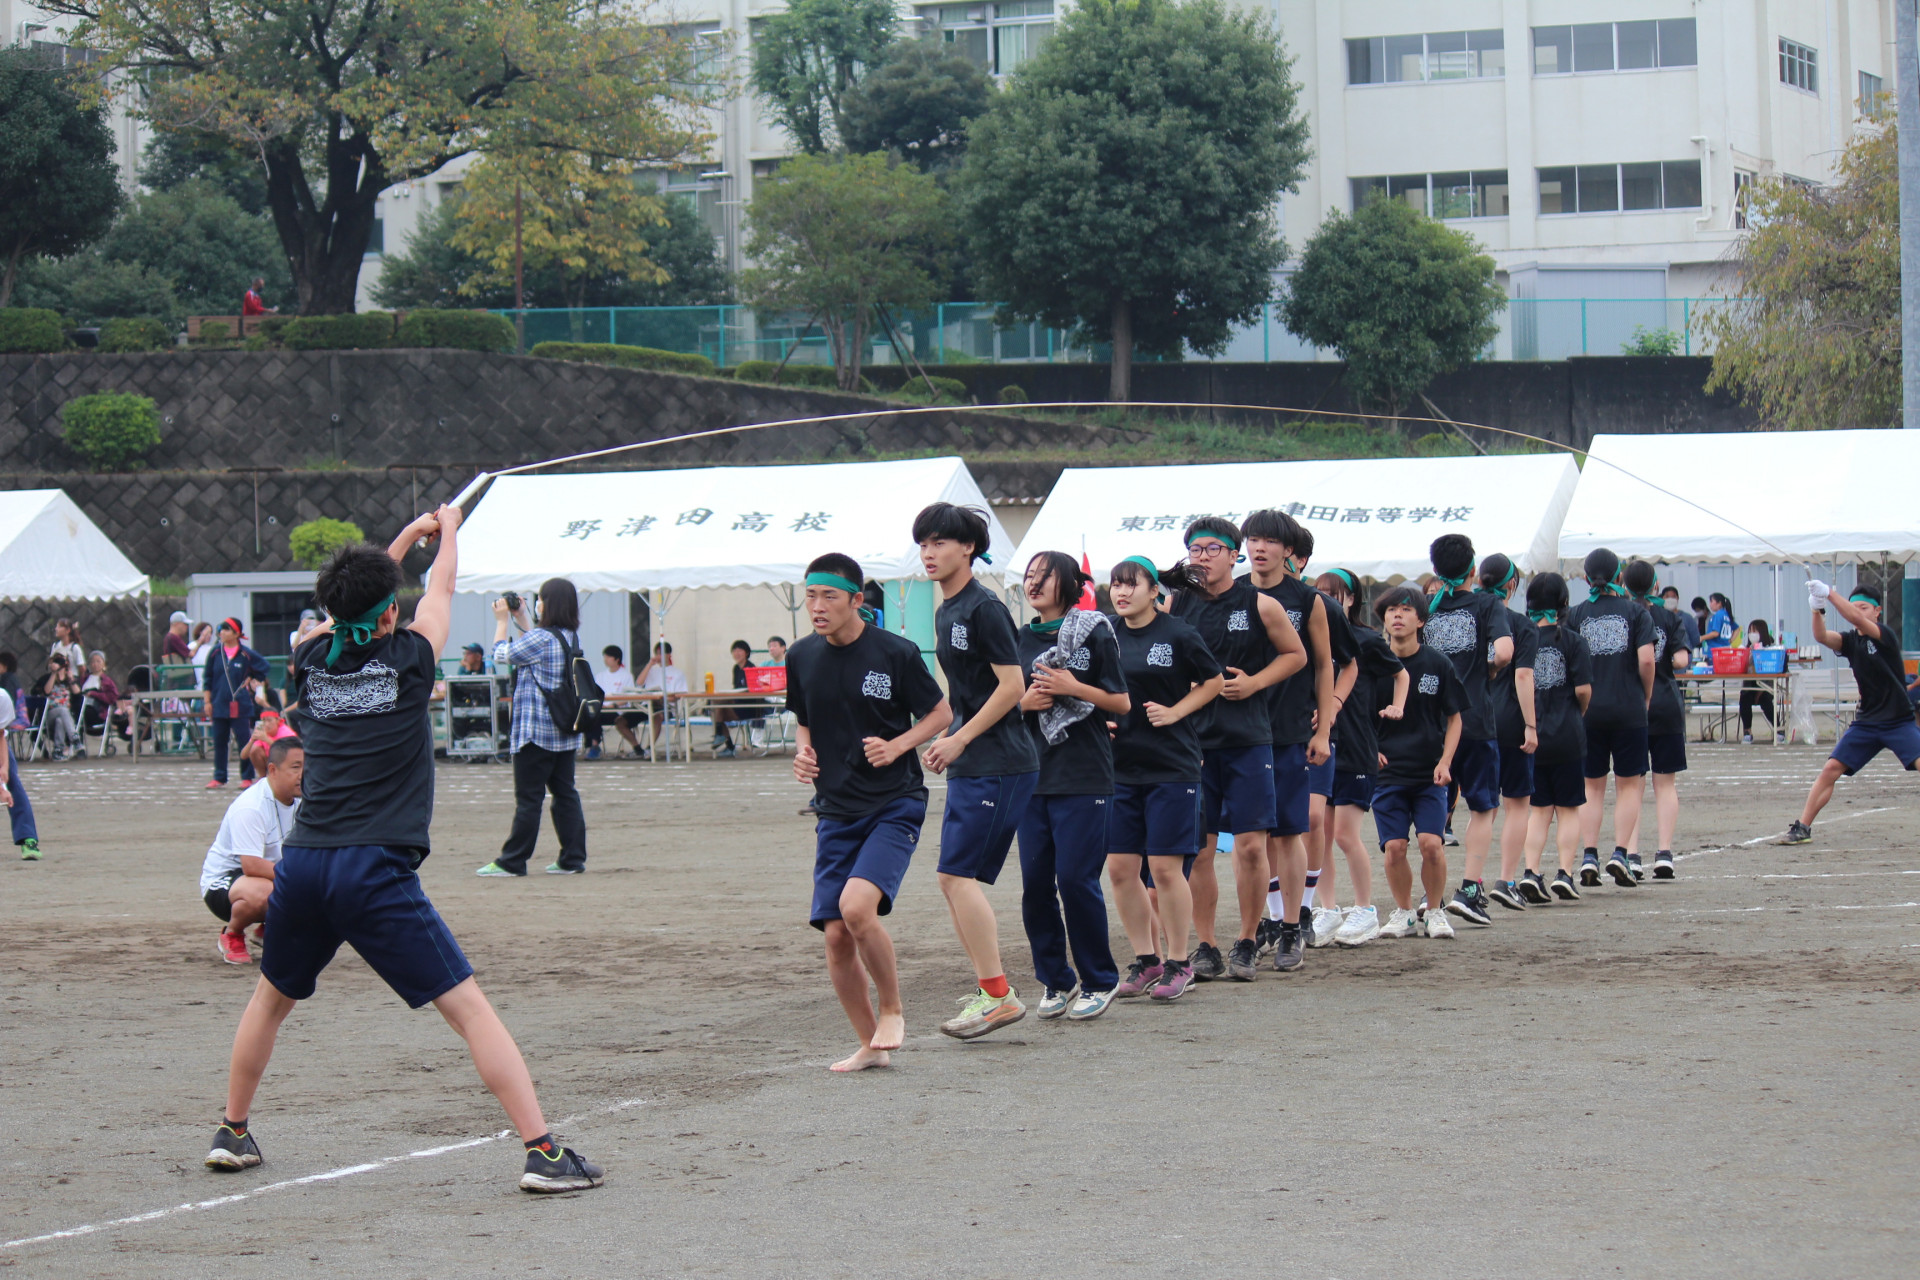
pixel 996 986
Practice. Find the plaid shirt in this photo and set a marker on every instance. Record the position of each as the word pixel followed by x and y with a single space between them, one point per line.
pixel 545 660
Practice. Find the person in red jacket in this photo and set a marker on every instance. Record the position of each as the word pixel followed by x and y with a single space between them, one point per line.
pixel 252 304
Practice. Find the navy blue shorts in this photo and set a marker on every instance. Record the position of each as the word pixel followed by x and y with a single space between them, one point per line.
pixel 1236 790
pixel 876 848
pixel 1667 752
pixel 1619 749
pixel 1320 778
pixel 977 829
pixel 1476 771
pixel 369 897
pixel 1398 808
pixel 1154 819
pixel 1516 772
pixel 1560 785
pixel 1292 791
pixel 1863 741
pixel 1355 789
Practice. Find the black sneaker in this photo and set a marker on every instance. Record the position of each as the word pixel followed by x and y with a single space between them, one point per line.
pixel 232 1151
pixel 561 1170
pixel 1206 963
pixel 1468 903
pixel 1507 894
pixel 1534 889
pixel 1243 962
pixel 1798 833
pixel 1663 865
pixel 1590 871
pixel 1633 865
pixel 1617 868
pixel 1563 888
pixel 1266 936
pixel 1292 949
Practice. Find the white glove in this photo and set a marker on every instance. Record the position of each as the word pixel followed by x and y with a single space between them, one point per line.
pixel 1817 593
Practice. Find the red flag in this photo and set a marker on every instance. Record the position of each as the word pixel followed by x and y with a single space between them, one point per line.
pixel 1087 599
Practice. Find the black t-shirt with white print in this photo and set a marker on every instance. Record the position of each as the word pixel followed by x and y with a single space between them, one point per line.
pixel 1292 699
pixel 1231 627
pixel 1667 715
pixel 1506 700
pixel 1162 661
pixel 1356 729
pixel 974 633
pixel 1615 628
pixel 1462 627
pixel 369 762
pixel 875 687
pixel 1881 676
pixel 1560 666
pixel 1081 764
pixel 1414 743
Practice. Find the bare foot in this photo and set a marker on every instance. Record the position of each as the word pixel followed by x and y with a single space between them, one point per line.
pixel 890 1032
pixel 862 1059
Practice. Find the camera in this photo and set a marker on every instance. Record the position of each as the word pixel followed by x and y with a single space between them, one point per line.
pixel 513 601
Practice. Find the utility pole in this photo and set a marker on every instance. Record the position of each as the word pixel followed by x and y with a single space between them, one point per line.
pixel 520 273
pixel 1906 78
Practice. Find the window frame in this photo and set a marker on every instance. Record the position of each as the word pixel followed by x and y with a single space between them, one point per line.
pixel 1660 63
pixel 1573 177
pixel 1875 103
pixel 1376 55
pixel 1792 53
pixel 1360 189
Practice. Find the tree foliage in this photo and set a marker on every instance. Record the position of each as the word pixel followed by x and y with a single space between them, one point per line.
pixel 312 542
pixel 1812 337
pixel 174 158
pixel 1126 179
pixel 58 186
pixel 1403 298
pixel 808 59
pixel 838 237
pixel 342 99
pixel 110 429
pixel 917 103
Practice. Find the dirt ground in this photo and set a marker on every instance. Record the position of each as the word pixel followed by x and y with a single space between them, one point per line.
pixel 1710 1077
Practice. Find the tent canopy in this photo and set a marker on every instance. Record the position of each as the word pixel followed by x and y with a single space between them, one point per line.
pixel 50 550
pixel 1815 496
pixel 1374 517
pixel 710 526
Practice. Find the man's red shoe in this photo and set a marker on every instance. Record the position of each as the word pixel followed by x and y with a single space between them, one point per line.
pixel 215 785
pixel 233 948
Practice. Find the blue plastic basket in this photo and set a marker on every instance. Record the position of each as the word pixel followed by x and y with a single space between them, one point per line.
pixel 1769 662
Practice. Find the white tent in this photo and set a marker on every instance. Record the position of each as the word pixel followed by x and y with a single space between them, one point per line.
pixel 708 527
pixel 50 550
pixel 1374 517
pixel 1769 497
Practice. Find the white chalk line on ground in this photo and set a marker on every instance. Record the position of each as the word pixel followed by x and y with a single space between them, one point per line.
pixel 329 1175
pixel 1775 835
pixel 1785 906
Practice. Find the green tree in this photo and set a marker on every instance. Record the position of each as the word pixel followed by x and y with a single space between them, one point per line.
pixel 345 98
pixel 1812 337
pixel 173 158
pixel 807 60
pixel 1126 179
pixel 88 289
pixel 917 103
pixel 313 541
pixel 58 186
pixel 838 237
pixel 1402 298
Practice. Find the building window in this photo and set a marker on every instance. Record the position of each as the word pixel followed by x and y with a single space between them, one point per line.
pixel 1614 46
pixel 708 47
pixel 1611 188
pixel 997 38
pixel 1742 197
pixel 377 241
pixel 1480 193
pixel 1799 65
pixel 1442 55
pixel 1873 97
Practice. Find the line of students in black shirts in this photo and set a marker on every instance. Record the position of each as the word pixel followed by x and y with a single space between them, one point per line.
pixel 1259 706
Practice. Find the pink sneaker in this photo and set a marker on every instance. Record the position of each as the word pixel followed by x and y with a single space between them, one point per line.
pixel 215 785
pixel 1139 980
pixel 233 948
pixel 1174 984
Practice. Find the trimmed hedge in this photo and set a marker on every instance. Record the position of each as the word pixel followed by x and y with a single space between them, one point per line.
pixel 110 429
pixel 365 330
pixel 932 387
pixel 314 541
pixel 1012 394
pixel 142 334
pixel 31 329
pixel 818 376
pixel 622 356
pixel 459 330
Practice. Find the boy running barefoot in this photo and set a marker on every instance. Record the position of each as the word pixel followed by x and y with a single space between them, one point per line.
pixel 1416 761
pixel 349 869
pixel 237 877
pixel 864 701
pixel 1885 721
pixel 1562 687
pixel 1620 641
pixel 989 757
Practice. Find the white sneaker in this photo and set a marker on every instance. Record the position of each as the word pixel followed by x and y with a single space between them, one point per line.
pixel 1437 925
pixel 1361 926
pixel 1401 924
pixel 1054 1003
pixel 1090 1005
pixel 1326 923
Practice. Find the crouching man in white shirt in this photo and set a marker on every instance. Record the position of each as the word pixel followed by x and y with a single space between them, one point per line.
pixel 237 878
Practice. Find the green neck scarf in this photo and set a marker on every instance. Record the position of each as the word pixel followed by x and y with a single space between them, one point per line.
pixel 1047 628
pixel 360 628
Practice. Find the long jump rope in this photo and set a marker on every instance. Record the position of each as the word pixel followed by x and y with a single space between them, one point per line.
pixel 480 481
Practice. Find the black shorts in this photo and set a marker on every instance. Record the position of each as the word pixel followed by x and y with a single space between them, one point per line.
pixel 1617 749
pixel 1558 785
pixel 217 900
pixel 1516 772
pixel 1667 752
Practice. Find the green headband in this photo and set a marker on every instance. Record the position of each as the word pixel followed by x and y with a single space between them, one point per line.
pixel 1513 571
pixel 1451 584
pixel 820 578
pixel 360 628
pixel 1353 584
pixel 1207 533
pixel 1146 564
pixel 1859 597
pixel 1542 615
